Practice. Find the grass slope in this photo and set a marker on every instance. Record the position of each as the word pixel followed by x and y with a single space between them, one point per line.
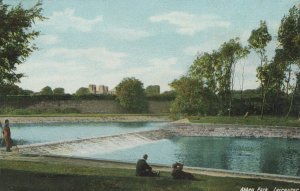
pixel 251 120
pixel 31 176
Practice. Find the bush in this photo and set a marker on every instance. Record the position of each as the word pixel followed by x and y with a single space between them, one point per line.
pixel 131 95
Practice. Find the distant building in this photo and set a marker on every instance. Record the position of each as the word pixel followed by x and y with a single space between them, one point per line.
pixel 101 89
pixel 92 88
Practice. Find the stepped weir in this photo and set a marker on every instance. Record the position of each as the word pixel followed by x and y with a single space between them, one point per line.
pixel 96 144
pixel 88 146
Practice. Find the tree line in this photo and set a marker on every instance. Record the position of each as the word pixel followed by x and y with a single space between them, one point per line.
pixel 207 88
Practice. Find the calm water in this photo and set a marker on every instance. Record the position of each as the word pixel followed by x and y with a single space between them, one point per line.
pixel 267 155
pixel 264 155
pixel 49 132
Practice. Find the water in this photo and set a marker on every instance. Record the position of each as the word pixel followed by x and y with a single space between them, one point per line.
pixel 260 155
pixel 50 132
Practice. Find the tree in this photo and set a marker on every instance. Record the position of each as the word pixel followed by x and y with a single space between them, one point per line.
pixel 153 90
pixel 274 75
pixel 216 70
pixel 258 41
pixel 289 40
pixel 59 91
pixel 82 91
pixel 131 95
pixel 192 97
pixel 230 53
pixel 46 91
pixel 10 89
pixel 16 37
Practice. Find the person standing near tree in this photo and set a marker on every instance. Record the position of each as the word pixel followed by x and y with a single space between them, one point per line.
pixel 7 136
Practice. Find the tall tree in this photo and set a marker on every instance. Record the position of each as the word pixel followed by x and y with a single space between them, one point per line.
pixel 16 35
pixel 230 53
pixel 258 41
pixel 131 95
pixel 289 39
pixel 216 70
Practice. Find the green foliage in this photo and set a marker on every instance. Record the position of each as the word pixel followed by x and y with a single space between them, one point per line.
pixel 260 38
pixel 258 41
pixel 46 91
pixel 131 95
pixel 289 34
pixel 152 90
pixel 14 111
pixel 16 35
pixel 82 91
pixel 165 96
pixel 216 70
pixel 289 40
pixel 192 98
pixel 251 120
pixel 59 91
pixel 9 89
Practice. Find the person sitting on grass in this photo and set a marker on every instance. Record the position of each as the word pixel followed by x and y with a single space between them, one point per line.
pixel 178 173
pixel 143 169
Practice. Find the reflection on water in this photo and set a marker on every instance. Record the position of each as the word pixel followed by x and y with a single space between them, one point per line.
pixel 48 132
pixel 264 155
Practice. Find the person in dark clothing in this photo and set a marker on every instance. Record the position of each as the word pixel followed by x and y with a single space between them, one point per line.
pixel 178 173
pixel 143 169
pixel 7 136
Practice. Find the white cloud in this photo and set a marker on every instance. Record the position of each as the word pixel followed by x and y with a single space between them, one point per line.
pixel 98 56
pixel 156 71
pixel 70 75
pixel 66 19
pixel 207 46
pixel 189 24
pixel 48 39
pixel 127 34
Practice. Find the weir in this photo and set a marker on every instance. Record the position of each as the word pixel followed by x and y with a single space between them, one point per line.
pixel 89 146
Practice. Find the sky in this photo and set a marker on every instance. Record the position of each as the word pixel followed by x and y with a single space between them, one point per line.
pixel 102 41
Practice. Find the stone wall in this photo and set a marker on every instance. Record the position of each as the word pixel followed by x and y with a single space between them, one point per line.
pixel 84 106
pixel 226 130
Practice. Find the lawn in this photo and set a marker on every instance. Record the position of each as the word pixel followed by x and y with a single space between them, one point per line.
pixel 250 120
pixel 24 175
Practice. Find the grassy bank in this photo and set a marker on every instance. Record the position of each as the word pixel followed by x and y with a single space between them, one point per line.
pixel 81 115
pixel 21 175
pixel 251 120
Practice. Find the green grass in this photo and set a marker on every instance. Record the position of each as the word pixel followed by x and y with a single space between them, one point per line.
pixel 79 115
pixel 251 120
pixel 45 176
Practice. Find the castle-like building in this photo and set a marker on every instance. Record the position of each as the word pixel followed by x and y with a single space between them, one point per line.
pixel 101 89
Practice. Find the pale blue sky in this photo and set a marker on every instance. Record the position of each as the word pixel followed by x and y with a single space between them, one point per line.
pixel 102 41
